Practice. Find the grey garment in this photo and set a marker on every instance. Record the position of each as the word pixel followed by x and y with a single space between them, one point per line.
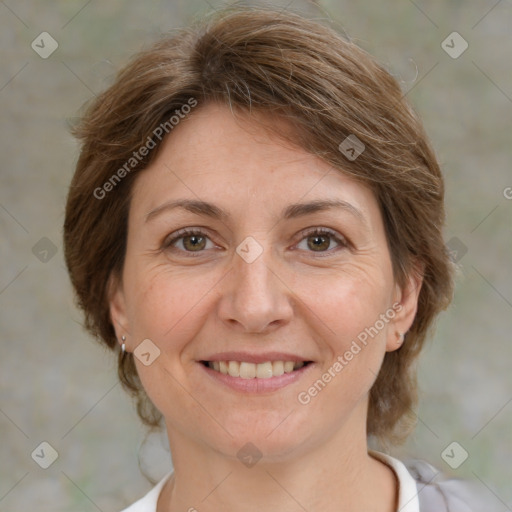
pixel 437 493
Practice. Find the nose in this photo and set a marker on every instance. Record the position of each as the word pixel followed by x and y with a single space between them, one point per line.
pixel 255 298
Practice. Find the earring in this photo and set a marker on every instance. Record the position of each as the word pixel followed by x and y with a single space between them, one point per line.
pixel 123 346
pixel 401 338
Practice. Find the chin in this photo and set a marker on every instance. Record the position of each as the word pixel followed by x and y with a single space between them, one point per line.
pixel 272 435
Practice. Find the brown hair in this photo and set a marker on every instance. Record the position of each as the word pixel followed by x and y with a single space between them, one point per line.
pixel 282 64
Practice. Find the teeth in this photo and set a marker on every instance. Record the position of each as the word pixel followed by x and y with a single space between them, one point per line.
pixel 264 370
pixel 247 370
pixel 288 366
pixel 234 368
pixel 277 368
pixel 251 370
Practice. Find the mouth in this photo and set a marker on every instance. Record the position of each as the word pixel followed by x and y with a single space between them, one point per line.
pixel 248 370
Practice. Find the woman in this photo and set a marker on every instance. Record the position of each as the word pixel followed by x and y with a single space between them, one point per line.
pixel 254 224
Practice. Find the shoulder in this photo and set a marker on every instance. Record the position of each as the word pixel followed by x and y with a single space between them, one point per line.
pixel 439 493
pixel 149 502
pixel 423 488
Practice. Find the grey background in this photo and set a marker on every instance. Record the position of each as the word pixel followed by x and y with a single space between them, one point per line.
pixel 58 386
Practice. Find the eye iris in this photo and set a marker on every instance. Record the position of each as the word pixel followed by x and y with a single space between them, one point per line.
pixel 197 242
pixel 320 242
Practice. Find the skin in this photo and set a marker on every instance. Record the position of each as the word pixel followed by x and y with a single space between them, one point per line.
pixel 295 297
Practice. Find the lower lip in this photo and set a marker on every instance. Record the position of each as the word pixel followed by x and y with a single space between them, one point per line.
pixel 257 385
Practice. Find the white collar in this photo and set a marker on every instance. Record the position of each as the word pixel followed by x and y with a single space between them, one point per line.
pixel 149 502
pixel 407 491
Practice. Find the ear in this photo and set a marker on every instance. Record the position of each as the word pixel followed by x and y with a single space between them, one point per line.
pixel 405 305
pixel 117 306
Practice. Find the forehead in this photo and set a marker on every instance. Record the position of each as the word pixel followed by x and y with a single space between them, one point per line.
pixel 242 141
pixel 236 161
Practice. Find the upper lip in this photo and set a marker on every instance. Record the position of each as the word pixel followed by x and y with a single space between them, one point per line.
pixel 260 357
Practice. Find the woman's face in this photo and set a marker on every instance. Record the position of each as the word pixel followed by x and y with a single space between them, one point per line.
pixel 250 256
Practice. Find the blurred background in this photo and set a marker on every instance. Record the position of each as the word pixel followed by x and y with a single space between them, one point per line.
pixel 57 386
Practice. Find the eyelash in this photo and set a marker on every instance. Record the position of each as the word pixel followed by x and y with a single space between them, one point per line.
pixel 183 233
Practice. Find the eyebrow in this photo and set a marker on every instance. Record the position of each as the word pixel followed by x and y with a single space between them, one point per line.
pixel 292 211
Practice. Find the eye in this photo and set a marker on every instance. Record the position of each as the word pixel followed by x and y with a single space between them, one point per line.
pixel 320 240
pixel 188 240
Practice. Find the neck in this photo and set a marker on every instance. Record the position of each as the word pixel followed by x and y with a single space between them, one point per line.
pixel 337 475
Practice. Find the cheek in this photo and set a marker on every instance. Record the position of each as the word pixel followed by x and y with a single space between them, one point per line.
pixel 347 303
pixel 349 309
pixel 170 307
pixel 353 349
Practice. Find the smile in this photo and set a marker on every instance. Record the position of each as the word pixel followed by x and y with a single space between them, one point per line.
pixel 247 370
pixel 256 377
